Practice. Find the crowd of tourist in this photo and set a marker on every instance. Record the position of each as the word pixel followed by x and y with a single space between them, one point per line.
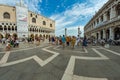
pixel 13 41
pixel 71 41
pixel 103 42
pixel 10 41
pixel 64 41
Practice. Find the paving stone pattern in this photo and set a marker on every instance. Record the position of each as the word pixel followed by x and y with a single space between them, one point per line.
pixel 54 70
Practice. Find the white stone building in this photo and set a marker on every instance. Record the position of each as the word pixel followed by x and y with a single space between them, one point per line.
pixel 105 24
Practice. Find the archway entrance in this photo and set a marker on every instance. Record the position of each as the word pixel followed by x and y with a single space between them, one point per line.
pixel 36 36
pixel 32 36
pixel 97 35
pixel 117 33
pixel 46 36
pixel 101 32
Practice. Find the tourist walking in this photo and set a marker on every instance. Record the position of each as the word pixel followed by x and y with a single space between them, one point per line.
pixel 63 41
pixel 68 40
pixel 60 40
pixel 78 40
pixel 84 43
pixel 53 40
pixel 73 40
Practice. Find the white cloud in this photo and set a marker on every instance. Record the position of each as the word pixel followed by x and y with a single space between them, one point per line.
pixel 74 15
pixel 33 5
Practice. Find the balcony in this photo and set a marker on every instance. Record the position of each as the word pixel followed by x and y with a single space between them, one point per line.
pixel 107 22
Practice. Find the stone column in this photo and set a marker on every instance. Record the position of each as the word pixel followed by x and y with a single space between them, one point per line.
pixel 111 13
pixel 99 35
pixel 7 29
pixel 14 29
pixel 104 34
pixel 99 20
pixel 3 28
pixel 111 33
pixel 11 29
pixel 95 24
pixel 114 11
pixel 105 16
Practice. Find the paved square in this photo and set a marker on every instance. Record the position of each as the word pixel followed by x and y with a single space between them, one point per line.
pixel 51 62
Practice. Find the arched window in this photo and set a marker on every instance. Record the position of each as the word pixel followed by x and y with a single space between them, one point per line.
pixel 31 14
pixel 16 28
pixel 50 25
pixel 37 30
pixel 33 30
pixel 13 28
pixel 5 28
pixel 118 9
pixel 108 15
pixel 44 23
pixel 9 28
pixel 33 20
pixel 6 15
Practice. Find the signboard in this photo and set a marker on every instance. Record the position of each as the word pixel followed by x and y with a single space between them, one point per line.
pixel 22 21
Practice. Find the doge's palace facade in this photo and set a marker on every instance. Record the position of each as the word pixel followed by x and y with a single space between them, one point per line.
pixel 24 23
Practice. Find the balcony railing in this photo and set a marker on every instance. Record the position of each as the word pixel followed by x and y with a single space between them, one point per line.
pixel 104 23
pixel 108 22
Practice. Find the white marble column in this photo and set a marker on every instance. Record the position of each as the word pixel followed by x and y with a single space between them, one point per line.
pixel 14 29
pixel 111 33
pixel 99 35
pixel 3 28
pixel 11 29
pixel 112 13
pixel 104 34
pixel 99 20
pixel 95 23
pixel 7 29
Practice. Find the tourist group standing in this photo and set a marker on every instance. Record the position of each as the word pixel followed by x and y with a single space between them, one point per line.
pixel 66 41
pixel 10 41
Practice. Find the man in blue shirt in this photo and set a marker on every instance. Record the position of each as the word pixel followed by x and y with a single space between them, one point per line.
pixel 63 41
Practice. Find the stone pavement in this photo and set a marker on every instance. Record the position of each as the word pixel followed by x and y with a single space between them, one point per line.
pixel 50 62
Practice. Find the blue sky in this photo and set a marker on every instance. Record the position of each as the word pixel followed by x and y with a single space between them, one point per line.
pixel 69 14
